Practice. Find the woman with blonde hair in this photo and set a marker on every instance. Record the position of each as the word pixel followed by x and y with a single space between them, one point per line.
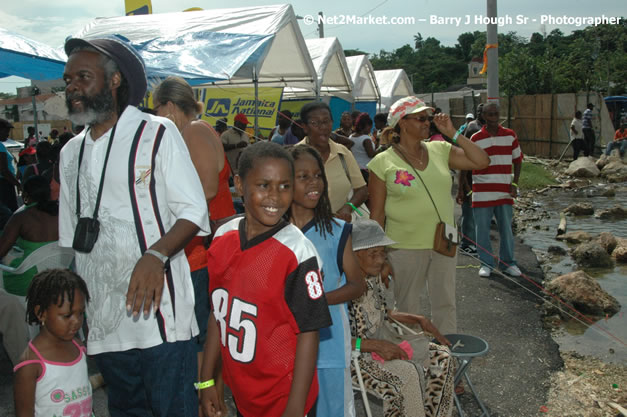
pixel 174 98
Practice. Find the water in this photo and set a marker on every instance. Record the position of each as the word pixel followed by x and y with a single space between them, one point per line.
pixel 573 335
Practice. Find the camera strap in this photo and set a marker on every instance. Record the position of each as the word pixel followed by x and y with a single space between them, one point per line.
pixel 104 169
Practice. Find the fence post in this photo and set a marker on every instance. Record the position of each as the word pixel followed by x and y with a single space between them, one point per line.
pixel 551 128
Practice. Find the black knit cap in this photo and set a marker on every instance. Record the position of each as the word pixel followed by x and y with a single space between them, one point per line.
pixel 129 62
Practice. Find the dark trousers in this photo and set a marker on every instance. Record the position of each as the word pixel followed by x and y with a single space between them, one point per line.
pixel 588 136
pixel 578 146
pixel 153 382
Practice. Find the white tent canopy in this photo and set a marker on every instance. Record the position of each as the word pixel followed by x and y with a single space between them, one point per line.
pixel 222 46
pixel 365 86
pixel 393 84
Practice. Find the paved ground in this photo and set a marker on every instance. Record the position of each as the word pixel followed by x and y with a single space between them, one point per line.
pixel 512 379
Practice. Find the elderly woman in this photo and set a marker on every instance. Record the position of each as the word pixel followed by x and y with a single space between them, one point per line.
pixel 416 380
pixel 347 188
pixel 410 193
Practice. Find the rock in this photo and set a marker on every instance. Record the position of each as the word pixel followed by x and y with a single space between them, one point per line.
pixel 617 178
pixel 616 212
pixel 605 160
pixel 557 250
pixel 620 253
pixel 608 241
pixel 609 192
pixel 591 255
pixel 576 237
pixel 579 209
pixel 585 294
pixel 583 167
pixel 600 192
pixel 615 166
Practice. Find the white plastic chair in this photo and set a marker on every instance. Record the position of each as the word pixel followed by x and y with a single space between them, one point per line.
pixel 49 256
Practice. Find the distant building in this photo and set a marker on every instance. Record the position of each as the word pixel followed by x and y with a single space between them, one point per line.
pixel 474 78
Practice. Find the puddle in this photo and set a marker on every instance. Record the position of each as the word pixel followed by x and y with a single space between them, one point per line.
pixel 573 335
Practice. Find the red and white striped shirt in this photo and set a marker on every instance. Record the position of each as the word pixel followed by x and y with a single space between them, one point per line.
pixel 491 186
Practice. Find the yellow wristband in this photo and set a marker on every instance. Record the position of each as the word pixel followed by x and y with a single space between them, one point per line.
pixel 514 184
pixel 203 385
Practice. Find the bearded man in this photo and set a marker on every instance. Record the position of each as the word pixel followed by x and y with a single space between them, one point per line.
pixel 130 201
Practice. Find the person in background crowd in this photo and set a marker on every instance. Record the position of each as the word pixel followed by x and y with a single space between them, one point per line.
pixel 347 188
pixel 469 118
pixel 280 131
pixel 295 134
pixel 141 316
pixel 588 130
pixel 235 139
pixel 380 122
pixel 221 126
pixel 54 135
pixel 31 139
pixel 620 140
pixel 45 159
pixel 28 159
pixel 577 136
pixel 493 192
pixel 341 134
pixel 8 179
pixel 363 150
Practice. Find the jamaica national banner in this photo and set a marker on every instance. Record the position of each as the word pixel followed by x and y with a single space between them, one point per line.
pixel 294 106
pixel 136 7
pixel 228 101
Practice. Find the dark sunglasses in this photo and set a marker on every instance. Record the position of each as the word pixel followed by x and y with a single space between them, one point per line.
pixel 421 119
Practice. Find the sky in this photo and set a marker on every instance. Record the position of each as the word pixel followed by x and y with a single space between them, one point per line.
pixel 51 22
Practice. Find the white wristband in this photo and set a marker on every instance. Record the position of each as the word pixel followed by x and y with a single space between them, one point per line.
pixel 157 254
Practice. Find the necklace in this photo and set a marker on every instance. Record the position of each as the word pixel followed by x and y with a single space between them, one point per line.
pixel 418 159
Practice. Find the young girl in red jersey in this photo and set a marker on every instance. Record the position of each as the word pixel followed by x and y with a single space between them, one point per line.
pixel 52 377
pixel 266 296
pixel 343 280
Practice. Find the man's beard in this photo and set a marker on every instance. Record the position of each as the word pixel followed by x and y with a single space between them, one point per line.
pixel 96 109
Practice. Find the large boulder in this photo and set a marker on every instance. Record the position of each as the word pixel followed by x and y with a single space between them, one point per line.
pixel 608 241
pixel 579 209
pixel 583 167
pixel 576 236
pixel 591 255
pixel 615 166
pixel 584 294
pixel 605 160
pixel 616 213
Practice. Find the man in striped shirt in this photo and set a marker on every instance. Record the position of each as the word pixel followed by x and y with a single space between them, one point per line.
pixel 493 191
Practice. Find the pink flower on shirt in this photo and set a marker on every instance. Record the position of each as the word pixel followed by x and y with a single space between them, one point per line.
pixel 403 177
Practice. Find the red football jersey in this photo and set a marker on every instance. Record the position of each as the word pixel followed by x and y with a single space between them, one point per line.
pixel 263 293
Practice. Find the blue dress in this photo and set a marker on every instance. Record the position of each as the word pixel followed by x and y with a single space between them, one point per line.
pixel 335 397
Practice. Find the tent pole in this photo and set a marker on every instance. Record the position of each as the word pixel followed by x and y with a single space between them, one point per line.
pixel 256 83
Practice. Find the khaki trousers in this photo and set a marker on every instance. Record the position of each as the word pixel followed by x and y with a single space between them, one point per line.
pixel 413 268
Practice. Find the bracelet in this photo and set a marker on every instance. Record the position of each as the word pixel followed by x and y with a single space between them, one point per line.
pixel 454 139
pixel 358 344
pixel 163 258
pixel 469 193
pixel 203 385
pixel 514 184
pixel 351 205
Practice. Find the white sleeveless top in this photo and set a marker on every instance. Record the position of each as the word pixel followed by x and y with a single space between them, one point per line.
pixel 63 388
pixel 359 152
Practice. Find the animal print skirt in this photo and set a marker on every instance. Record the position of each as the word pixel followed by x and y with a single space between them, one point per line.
pixel 406 388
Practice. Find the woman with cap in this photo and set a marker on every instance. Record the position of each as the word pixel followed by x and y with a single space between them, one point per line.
pixel 410 193
pixel 347 188
pixel 29 229
pixel 413 376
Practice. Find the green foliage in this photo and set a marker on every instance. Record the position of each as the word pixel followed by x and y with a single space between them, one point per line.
pixel 591 59
pixel 534 176
pixel 4 96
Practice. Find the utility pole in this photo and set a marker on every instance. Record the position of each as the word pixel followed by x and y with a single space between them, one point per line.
pixel 321 25
pixel 34 92
pixel 492 54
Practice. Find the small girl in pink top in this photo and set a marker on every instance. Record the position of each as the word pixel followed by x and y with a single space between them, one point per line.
pixel 51 378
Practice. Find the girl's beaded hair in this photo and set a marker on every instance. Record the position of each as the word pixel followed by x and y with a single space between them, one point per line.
pixel 52 287
pixel 323 216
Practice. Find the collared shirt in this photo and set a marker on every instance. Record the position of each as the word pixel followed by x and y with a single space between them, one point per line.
pixel 340 182
pixel 233 137
pixel 137 199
